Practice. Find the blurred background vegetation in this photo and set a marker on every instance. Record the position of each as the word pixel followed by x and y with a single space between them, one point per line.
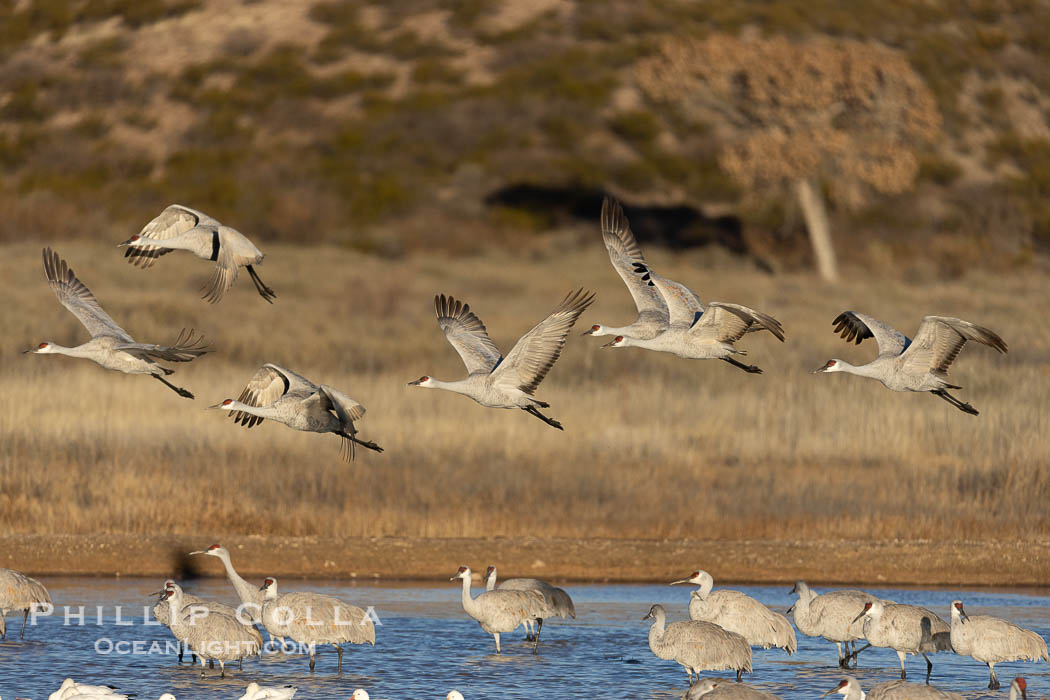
pixel 459 126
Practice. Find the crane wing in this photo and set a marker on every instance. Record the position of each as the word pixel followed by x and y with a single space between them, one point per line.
pixel 174 221
pixel 75 296
pixel 683 306
pixel 940 338
pixel 467 334
pixel 537 351
pixel 226 269
pixel 623 253
pixel 268 384
pixel 186 348
pixel 727 323
pixel 855 327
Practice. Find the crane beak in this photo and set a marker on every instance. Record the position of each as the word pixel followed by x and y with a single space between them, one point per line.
pixel 208 408
pixel 674 583
pixel 199 551
pixel 160 592
pixel 791 609
pixel 607 345
pixel 833 690
pixel 589 331
pixel 858 617
pixel 414 383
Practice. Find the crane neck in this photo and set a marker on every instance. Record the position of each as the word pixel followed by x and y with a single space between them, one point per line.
pixel 244 589
pixel 704 587
pixel 468 602
pixel 490 582
pixel 870 370
pixel 656 631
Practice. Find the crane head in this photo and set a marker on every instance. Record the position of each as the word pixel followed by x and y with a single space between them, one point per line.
pixel 422 381
pixel 653 612
pixel 829 366
pixel 957 609
pixel 865 611
pixel 618 342
pixel 42 349
pixel 842 687
pixel 268 583
pixel 596 329
pixel 216 550
pixel 463 572
pixel 1022 686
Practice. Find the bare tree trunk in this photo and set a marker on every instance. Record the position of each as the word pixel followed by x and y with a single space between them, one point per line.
pixel 816 215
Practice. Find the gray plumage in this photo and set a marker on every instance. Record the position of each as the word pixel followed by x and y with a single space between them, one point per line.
pixel 21 593
pixel 315 619
pixel 901 628
pixel 500 611
pixel 212 634
pixel 556 602
pixel 904 364
pixel 850 689
pixel 699 333
pixel 182 228
pixel 110 345
pixel 251 596
pixel 624 254
pixel 286 397
pixel 697 645
pixel 740 613
pixel 721 689
pixel 830 615
pixel 991 640
pixel 495 381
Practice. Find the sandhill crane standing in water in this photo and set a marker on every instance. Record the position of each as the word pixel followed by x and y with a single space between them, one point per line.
pixel 697 645
pixel 286 397
pixel 313 619
pixel 832 616
pixel 697 333
pixel 211 634
pixel 992 640
pixel 251 596
pixel 556 602
pixel 850 689
pixel 182 228
pixel 495 381
pixel 904 364
pixel 740 613
pixel 500 611
pixel 907 629
pixel 623 254
pixel 110 345
pixel 721 689
pixel 22 593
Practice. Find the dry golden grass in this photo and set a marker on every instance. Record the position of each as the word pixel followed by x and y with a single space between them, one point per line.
pixel 654 446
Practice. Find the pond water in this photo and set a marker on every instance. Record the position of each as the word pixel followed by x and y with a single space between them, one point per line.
pixel 426 645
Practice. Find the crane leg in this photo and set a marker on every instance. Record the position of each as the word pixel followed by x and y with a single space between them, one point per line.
pixel 496 635
pixel 738 672
pixel 539 627
pixel 264 291
pixel 181 647
pixel 750 369
pixel 929 668
pixel 904 674
pixel 222 666
pixel 211 663
pixel 964 407
pixel 312 659
pixel 843 660
pixel 340 650
pixel 25 616
pixel 993 682
pixel 549 421
pixel 528 630
pixel 178 390
pixel 856 651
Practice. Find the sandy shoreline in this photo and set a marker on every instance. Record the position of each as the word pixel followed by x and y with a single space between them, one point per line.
pixel 827 562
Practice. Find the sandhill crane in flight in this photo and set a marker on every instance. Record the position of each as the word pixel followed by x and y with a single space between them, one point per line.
pixel 500 611
pixel 697 645
pixel 740 613
pixel 212 634
pixel 286 397
pixel 721 689
pixel 495 381
pixel 850 689
pixel 904 364
pixel 699 333
pixel 556 602
pixel 624 252
pixel 907 629
pixel 832 616
pixel 992 640
pixel 313 619
pixel 110 345
pixel 22 593
pixel 182 228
